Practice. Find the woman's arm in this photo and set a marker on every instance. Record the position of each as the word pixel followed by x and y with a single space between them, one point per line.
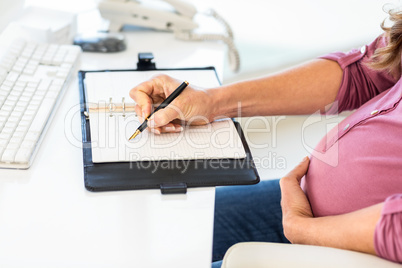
pixel 352 231
pixel 300 90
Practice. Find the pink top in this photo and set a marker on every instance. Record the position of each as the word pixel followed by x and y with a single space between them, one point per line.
pixel 359 162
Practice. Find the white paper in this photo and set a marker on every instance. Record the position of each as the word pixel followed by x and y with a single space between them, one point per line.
pixel 110 131
pixel 110 134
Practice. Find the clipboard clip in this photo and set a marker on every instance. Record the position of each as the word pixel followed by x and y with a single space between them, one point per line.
pixel 145 61
pixel 173 188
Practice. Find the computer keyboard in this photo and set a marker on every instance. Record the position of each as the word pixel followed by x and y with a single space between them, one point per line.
pixel 32 79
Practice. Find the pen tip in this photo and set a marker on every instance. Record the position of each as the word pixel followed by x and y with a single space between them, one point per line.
pixel 134 135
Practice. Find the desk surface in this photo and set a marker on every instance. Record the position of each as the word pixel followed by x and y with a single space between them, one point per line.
pixel 48 219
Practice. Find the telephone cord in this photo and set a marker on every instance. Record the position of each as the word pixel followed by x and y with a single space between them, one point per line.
pixel 233 53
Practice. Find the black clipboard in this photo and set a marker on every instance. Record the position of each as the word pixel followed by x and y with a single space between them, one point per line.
pixel 170 176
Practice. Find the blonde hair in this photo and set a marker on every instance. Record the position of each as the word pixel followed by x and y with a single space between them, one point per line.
pixel 389 57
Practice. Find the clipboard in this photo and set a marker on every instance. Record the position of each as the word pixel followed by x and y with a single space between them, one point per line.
pixel 170 176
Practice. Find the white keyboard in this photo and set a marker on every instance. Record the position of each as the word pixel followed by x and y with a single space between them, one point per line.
pixel 32 78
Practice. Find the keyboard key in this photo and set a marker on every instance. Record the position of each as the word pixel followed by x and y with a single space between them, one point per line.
pixel 18 134
pixel 21 103
pixel 31 136
pixel 18 110
pixel 7 108
pixel 17 113
pixel 12 146
pixel 8 83
pixel 3 74
pixel 18 89
pixel 66 67
pixel 4 113
pixel 40 93
pixel 16 141
pixel 7 130
pixel 42 115
pixel 30 89
pixel 33 84
pixel 5 88
pixel 12 98
pixel 18 69
pixel 44 84
pixel 37 98
pixel 10 125
pixel 55 88
pixel 23 155
pixel 21 62
pixel 9 103
pixel 22 129
pixel 52 72
pixel 13 119
pixel 28 78
pixel 24 99
pixel 5 135
pixel 29 70
pixel 7 62
pixel 58 82
pixel 61 74
pixel 3 143
pixel 8 155
pixel 27 144
pixel 12 76
pixel 52 94
pixel 2 150
pixel 34 104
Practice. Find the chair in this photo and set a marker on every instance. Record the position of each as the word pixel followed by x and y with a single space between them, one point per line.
pixel 267 255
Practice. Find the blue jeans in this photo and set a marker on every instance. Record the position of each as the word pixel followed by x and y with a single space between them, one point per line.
pixel 246 213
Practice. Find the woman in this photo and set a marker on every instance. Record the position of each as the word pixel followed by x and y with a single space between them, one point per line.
pixel 355 204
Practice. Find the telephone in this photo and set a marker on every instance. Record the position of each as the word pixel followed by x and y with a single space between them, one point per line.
pixel 167 15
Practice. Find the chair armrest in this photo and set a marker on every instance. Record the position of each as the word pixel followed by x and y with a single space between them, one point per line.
pixel 259 254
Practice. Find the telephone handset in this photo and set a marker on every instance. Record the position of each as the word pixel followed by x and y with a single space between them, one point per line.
pixel 168 15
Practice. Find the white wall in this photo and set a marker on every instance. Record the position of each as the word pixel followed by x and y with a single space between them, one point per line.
pixel 274 34
pixel 271 35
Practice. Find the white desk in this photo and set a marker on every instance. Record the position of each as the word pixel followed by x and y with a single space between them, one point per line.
pixel 48 219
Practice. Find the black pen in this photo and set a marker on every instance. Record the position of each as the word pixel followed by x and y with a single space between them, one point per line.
pixel 165 103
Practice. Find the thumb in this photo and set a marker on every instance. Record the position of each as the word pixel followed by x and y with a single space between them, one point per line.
pixel 300 170
pixel 162 117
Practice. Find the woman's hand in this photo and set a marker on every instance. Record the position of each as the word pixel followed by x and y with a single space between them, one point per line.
pixel 352 231
pixel 295 205
pixel 194 105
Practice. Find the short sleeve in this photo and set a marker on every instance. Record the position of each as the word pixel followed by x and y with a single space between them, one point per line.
pixel 388 231
pixel 359 82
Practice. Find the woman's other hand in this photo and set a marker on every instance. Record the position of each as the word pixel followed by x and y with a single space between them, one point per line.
pixel 295 205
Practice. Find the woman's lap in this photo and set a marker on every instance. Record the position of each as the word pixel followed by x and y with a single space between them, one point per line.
pixel 247 213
